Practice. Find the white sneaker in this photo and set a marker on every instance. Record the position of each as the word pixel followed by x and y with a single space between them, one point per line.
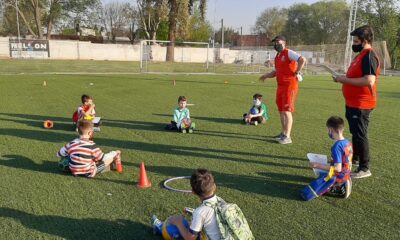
pixel 285 140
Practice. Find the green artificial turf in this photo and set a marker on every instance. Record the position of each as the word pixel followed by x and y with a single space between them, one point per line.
pixel 37 201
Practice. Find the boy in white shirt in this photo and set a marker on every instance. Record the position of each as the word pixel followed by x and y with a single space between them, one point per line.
pixel 204 217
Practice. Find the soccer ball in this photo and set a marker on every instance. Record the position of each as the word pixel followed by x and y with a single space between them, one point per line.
pixel 186 123
pixel 171 232
pixel 48 124
pixel 254 111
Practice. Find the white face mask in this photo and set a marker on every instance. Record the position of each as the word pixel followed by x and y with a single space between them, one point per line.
pixel 257 102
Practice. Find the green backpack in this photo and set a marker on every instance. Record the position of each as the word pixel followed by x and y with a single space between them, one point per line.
pixel 231 222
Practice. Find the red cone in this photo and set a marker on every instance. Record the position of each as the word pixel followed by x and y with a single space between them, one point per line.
pixel 143 180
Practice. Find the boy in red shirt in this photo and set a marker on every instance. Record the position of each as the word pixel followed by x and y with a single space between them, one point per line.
pixel 86 112
pixel 288 65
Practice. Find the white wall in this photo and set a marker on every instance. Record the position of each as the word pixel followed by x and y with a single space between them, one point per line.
pixel 4 48
pixel 91 51
pixel 71 50
pixel 182 54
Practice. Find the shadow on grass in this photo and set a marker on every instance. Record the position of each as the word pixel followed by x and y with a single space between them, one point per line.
pixel 207 153
pixel 60 123
pixel 86 228
pixel 277 185
pixel 38 117
pixel 394 95
pixel 215 82
pixel 233 135
pixel 21 162
pixel 210 119
pixel 160 127
pixel 136 125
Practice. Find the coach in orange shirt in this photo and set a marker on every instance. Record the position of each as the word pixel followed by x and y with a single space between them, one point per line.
pixel 288 65
pixel 359 91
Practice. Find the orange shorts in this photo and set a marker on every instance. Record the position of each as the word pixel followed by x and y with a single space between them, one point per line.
pixel 286 98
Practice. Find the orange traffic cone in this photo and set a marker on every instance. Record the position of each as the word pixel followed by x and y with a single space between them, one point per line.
pixel 118 163
pixel 143 180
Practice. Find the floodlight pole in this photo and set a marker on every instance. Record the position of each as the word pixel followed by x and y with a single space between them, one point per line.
pixel 19 34
pixel 208 48
pixel 351 27
pixel 17 13
pixel 141 55
pixel 222 33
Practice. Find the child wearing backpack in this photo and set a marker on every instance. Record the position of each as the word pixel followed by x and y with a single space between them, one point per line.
pixel 215 217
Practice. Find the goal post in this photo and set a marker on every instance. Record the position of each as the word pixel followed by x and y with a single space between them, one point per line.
pixel 188 56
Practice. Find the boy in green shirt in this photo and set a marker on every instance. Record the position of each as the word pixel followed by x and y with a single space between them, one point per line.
pixel 258 113
pixel 182 121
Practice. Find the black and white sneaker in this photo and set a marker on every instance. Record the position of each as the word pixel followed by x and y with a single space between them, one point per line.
pixel 348 185
pixel 279 136
pixel 359 173
pixel 341 190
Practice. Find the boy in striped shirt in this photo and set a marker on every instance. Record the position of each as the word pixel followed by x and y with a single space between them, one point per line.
pixel 85 157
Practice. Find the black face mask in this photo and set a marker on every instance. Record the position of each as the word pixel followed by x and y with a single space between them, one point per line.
pixel 278 47
pixel 357 48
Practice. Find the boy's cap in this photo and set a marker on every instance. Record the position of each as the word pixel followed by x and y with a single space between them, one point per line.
pixel 279 37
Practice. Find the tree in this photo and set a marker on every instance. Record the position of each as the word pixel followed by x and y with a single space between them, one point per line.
pixel 30 12
pixel 179 11
pixel 384 17
pixel 131 14
pixel 271 22
pixel 299 26
pixel 151 14
pixel 162 31
pixel 35 14
pixel 82 12
pixel 198 29
pixel 330 21
pixel 320 23
pixel 54 13
pixel 114 19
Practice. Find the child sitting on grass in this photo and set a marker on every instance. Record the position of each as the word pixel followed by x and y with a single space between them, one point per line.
pixel 340 167
pixel 86 112
pixel 84 157
pixel 258 113
pixel 207 217
pixel 182 121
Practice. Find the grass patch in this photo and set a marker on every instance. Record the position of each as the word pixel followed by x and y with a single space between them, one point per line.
pixel 37 201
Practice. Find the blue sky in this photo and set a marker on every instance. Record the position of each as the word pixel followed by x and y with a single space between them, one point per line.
pixel 239 13
pixel 243 13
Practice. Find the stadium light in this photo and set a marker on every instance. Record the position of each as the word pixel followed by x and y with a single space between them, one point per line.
pixel 17 11
pixel 351 27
